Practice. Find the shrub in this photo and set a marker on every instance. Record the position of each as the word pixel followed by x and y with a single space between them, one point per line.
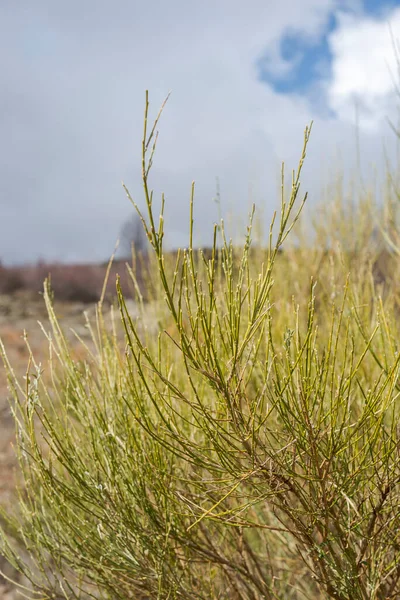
pixel 133 238
pixel 11 280
pixel 249 450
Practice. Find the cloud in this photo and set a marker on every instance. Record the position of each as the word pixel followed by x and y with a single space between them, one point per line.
pixel 364 69
pixel 72 81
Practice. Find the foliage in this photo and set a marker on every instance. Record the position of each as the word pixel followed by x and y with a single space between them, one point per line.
pixel 133 237
pixel 249 450
pixel 70 282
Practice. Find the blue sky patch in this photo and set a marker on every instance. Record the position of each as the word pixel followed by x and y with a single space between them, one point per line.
pixel 310 61
pixel 377 8
pixel 305 63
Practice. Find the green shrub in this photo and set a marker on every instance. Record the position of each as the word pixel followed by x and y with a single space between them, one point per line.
pixel 242 445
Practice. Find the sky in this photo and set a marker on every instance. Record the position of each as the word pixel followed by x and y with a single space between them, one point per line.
pixel 245 80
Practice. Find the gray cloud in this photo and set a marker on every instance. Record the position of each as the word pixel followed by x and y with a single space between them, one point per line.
pixel 72 81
